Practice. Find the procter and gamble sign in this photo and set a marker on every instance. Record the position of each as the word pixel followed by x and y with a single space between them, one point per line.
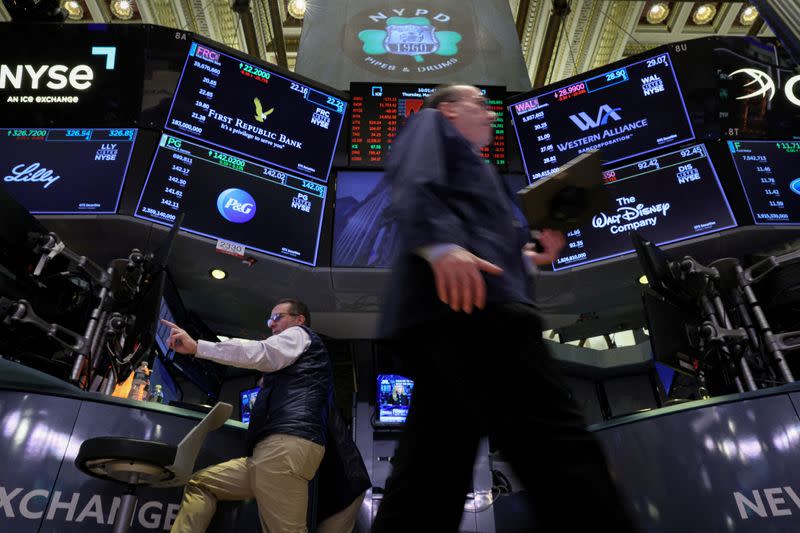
pixel 64 74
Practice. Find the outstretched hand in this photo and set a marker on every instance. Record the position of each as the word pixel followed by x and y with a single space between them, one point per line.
pixel 179 340
pixel 551 242
pixel 459 282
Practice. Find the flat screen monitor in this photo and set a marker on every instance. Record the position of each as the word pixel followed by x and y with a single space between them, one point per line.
pixel 227 197
pixel 253 111
pixel 380 110
pixel 162 330
pixel 625 110
pixel 247 399
pixel 770 175
pixel 393 399
pixel 66 171
pixel 667 198
pixel 161 376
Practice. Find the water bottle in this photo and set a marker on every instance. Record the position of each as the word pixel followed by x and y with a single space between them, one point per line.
pixel 157 395
pixel 140 382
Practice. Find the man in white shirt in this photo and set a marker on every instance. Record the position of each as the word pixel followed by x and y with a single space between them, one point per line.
pixel 288 424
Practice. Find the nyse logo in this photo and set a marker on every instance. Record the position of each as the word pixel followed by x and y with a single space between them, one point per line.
pixel 321 118
pixel 687 173
pixel 585 122
pixel 55 77
pixel 236 205
pixel 301 202
pixel 106 152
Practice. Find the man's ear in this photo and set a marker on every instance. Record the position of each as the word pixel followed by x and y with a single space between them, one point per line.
pixel 301 319
pixel 447 109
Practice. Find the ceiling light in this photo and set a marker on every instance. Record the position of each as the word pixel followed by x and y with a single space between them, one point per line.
pixel 748 16
pixel 643 280
pixel 73 8
pixel 122 9
pixel 297 8
pixel 704 14
pixel 657 13
pixel 218 273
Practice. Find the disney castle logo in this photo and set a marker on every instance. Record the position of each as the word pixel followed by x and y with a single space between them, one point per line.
pixel 409 41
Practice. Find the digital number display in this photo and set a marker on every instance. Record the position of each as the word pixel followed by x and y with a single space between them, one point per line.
pixel 379 111
pixel 770 175
pixel 226 197
pixel 254 112
pixel 65 171
pixel 668 198
pixel 624 112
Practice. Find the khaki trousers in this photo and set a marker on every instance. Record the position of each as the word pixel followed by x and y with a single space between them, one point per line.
pixel 344 521
pixel 276 475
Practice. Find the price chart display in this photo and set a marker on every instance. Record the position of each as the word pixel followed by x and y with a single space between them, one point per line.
pixel 770 174
pixel 668 198
pixel 65 171
pixel 255 112
pixel 226 197
pixel 623 112
pixel 380 110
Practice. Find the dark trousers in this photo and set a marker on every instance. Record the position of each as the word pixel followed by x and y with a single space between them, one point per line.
pixel 490 373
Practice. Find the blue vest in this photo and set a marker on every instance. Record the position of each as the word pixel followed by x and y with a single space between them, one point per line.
pixel 295 400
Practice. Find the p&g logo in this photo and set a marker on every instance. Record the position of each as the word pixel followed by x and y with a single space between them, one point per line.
pixel 236 205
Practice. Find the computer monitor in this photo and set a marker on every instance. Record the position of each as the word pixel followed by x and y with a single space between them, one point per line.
pixel 247 399
pixel 394 393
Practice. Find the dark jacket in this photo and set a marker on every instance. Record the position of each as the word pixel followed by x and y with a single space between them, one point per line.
pixel 343 475
pixel 295 399
pixel 443 192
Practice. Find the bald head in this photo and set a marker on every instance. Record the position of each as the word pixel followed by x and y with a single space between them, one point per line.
pixel 466 108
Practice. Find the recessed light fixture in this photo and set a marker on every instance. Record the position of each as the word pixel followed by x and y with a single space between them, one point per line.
pixel 73 8
pixel 643 280
pixel 657 13
pixel 704 14
pixel 218 273
pixel 748 16
pixel 122 9
pixel 297 8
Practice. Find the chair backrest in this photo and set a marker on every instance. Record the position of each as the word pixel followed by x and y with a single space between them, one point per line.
pixel 189 447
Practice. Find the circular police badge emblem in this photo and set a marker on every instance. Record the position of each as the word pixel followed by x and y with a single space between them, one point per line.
pixel 411 41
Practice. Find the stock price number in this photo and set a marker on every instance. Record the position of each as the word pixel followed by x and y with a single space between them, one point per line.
pixel 776 203
pixel 173 192
pixel 772 192
pixel 697 150
pixel 768 181
pixel 170 203
pixel 177 181
pixel 660 60
pixel 576 244
pixel 302 89
pixel 316 187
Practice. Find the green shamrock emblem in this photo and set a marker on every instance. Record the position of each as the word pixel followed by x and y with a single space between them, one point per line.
pixel 410 36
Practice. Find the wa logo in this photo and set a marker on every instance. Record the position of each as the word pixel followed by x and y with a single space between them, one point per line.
pixel 236 205
pixel 585 122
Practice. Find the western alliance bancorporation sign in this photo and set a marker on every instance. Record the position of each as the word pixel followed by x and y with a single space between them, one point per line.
pixel 411 41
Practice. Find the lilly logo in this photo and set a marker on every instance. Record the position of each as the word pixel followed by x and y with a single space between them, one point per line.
pixel 410 36
pixel 794 186
pixel 585 122
pixel 236 205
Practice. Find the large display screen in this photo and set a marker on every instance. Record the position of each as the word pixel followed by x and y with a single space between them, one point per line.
pixel 379 111
pixel 65 171
pixel 227 197
pixel 770 175
pixel 256 112
pixel 668 198
pixel 625 112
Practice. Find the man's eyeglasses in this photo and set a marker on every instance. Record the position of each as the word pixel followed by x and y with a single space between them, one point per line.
pixel 277 316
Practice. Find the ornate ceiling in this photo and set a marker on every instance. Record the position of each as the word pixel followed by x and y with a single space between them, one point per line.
pixel 592 33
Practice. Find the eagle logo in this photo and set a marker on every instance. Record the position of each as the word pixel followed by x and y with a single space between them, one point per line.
pixel 261 115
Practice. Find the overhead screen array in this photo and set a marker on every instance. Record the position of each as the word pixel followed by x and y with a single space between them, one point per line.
pixel 66 171
pixel 770 175
pixel 626 111
pixel 380 110
pixel 667 198
pixel 256 113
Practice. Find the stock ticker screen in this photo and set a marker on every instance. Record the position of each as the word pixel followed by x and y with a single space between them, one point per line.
pixel 770 175
pixel 379 111
pixel 668 198
pixel 65 171
pixel 624 112
pixel 224 196
pixel 254 112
